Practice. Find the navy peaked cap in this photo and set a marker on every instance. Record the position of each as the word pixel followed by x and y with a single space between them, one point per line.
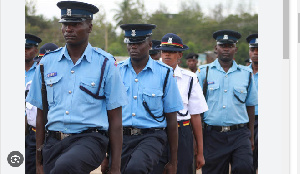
pixel 226 36
pixel 137 33
pixel 154 44
pixel 31 40
pixel 252 39
pixel 171 42
pixel 74 11
pixel 192 56
pixel 47 47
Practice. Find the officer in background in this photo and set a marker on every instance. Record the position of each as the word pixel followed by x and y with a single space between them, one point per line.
pixel 154 100
pixel 252 39
pixel 155 54
pixel 31 50
pixel 192 61
pixel 188 119
pixel 85 95
pixel 47 47
pixel 231 97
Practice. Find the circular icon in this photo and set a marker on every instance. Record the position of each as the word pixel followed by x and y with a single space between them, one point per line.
pixel 15 158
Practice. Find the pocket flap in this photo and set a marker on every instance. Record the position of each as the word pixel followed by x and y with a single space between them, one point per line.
pixel 153 92
pixel 213 87
pixel 52 80
pixel 240 92
pixel 91 82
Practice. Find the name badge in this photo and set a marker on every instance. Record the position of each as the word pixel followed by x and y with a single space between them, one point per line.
pixel 210 83
pixel 53 74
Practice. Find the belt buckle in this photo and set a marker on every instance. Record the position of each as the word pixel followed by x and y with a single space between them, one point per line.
pixel 135 131
pixel 225 128
pixel 63 136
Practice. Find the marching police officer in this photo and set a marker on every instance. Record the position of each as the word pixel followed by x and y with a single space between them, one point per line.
pixel 252 39
pixel 85 95
pixel 192 61
pixel 155 54
pixel 154 100
pixel 231 97
pixel 189 120
pixel 31 50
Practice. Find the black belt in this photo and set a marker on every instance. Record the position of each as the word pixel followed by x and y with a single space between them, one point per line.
pixel 137 131
pixel 60 136
pixel 224 128
pixel 256 117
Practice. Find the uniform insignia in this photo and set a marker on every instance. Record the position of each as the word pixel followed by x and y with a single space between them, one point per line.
pixel 256 40
pixel 126 40
pixel 69 12
pixel 210 83
pixel 133 33
pixel 225 36
pixel 53 74
pixel 198 69
pixel 116 64
pixel 170 40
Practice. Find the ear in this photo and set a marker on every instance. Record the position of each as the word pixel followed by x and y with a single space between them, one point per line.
pixel 216 48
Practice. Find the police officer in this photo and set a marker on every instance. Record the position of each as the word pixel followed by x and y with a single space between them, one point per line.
pixel 192 61
pixel 231 97
pixel 154 100
pixel 252 39
pixel 31 50
pixel 47 47
pixel 155 54
pixel 84 93
pixel 188 119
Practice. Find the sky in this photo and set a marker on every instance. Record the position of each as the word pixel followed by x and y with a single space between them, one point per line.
pixel 49 9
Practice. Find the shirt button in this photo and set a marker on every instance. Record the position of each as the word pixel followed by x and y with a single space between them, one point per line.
pixel 225 90
pixel 211 88
pixel 136 80
pixel 72 72
pixel 224 107
pixel 153 95
pixel 133 114
pixel 67 112
pixel 50 85
pixel 135 97
pixel 93 83
pixel 226 76
pixel 70 92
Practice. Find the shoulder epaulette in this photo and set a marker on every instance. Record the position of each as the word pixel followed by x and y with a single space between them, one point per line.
pixel 58 49
pixel 104 53
pixel 245 68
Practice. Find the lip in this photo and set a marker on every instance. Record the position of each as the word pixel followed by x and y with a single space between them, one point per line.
pixel 69 37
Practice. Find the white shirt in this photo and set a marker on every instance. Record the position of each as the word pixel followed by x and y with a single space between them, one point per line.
pixel 30 109
pixel 196 104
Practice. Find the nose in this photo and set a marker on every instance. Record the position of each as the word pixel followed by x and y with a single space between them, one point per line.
pixel 68 28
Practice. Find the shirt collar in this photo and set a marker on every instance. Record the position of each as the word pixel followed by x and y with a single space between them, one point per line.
pixel 177 72
pixel 33 66
pixel 149 64
pixel 233 68
pixel 87 54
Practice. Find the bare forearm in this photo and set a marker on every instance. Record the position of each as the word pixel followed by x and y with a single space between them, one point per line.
pixel 115 137
pixel 172 132
pixel 197 131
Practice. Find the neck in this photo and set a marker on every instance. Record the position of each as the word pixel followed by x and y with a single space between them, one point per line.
pixel 255 68
pixel 193 69
pixel 28 65
pixel 226 65
pixel 139 64
pixel 76 51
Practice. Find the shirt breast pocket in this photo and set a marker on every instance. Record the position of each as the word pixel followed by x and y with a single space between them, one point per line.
pixel 153 98
pixel 53 89
pixel 89 87
pixel 213 92
pixel 240 94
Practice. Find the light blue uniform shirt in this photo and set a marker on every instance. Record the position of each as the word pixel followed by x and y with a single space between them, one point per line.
pixel 72 110
pixel 256 85
pixel 148 86
pixel 29 74
pixel 224 109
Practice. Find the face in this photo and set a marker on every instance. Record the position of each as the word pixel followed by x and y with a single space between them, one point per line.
pixel 76 33
pixel 253 54
pixel 192 63
pixel 171 58
pixel 30 53
pixel 226 51
pixel 138 51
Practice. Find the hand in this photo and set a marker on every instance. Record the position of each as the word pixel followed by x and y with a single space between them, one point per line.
pixel 39 168
pixel 170 168
pixel 199 161
pixel 104 166
pixel 252 143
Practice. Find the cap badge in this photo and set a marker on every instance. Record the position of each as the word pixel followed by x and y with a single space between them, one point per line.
pixel 256 40
pixel 133 33
pixel 170 40
pixel 69 12
pixel 126 40
pixel 225 36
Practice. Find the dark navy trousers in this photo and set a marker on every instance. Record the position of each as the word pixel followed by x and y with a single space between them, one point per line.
pixel 185 152
pixel 78 154
pixel 30 149
pixel 255 152
pixel 222 148
pixel 140 153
